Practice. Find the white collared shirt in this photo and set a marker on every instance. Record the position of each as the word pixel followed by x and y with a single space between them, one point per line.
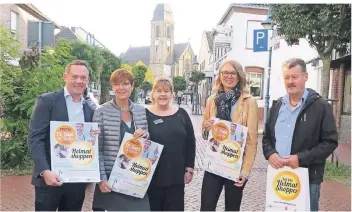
pixel 74 109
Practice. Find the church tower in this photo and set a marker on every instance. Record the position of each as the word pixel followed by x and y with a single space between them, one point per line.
pixel 162 38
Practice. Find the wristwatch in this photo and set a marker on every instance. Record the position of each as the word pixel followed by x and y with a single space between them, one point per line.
pixel 191 172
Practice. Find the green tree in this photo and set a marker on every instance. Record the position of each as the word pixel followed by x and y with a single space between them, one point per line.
pixel 139 74
pixel 138 71
pixel 325 26
pixel 179 83
pixel 126 67
pixel 146 86
pixel 93 55
pixel 19 90
pixel 197 76
pixel 111 64
pixel 149 76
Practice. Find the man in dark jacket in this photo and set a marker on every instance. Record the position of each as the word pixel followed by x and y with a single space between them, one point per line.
pixel 300 130
pixel 66 105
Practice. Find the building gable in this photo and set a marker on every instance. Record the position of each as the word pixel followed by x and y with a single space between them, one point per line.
pixel 134 54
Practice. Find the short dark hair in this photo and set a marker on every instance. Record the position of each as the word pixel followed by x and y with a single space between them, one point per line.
pixel 293 62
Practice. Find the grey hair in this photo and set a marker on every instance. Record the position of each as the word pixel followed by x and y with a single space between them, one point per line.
pixel 293 62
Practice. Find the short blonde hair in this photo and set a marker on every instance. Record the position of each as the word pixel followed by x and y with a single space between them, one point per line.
pixel 76 63
pixel 241 75
pixel 161 81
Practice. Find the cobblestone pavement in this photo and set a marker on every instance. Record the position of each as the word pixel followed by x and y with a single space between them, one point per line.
pixel 17 194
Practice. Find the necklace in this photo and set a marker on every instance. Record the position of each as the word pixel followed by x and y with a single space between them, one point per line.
pixel 293 104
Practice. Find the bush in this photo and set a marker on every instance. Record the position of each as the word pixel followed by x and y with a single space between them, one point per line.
pixel 19 90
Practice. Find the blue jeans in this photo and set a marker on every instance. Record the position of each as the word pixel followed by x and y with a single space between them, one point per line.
pixel 314 190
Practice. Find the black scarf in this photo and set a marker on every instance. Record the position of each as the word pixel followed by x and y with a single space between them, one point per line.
pixel 225 100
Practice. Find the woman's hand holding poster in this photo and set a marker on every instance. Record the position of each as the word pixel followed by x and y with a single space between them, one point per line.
pixel 226 146
pixel 134 166
pixel 74 151
pixel 287 189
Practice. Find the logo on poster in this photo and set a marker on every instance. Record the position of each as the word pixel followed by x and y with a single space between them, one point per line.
pixel 220 132
pixel 65 135
pixel 140 169
pixel 81 153
pixel 286 185
pixel 230 152
pixel 132 148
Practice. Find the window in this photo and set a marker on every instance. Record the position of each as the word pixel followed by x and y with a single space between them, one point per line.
pixel 251 26
pixel 254 84
pixel 168 32
pixel 157 31
pixel 14 22
pixel 347 94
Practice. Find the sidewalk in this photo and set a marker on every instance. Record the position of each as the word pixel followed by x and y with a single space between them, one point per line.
pixel 17 194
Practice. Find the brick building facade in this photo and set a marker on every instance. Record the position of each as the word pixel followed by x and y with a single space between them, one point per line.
pixel 341 91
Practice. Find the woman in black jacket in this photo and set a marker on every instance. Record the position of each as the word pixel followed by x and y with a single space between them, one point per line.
pixel 171 127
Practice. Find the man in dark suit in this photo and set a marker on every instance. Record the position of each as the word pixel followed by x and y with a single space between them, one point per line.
pixel 66 104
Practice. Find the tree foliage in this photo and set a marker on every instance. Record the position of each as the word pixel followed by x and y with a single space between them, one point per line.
pixel 146 86
pixel 139 74
pixel 138 71
pixel 149 76
pixel 21 85
pixel 127 67
pixel 111 64
pixel 19 90
pixel 179 83
pixel 325 26
pixel 197 76
pixel 93 55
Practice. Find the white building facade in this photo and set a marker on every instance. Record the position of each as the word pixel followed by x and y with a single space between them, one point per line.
pixel 244 19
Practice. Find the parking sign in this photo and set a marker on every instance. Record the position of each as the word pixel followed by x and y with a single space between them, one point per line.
pixel 260 40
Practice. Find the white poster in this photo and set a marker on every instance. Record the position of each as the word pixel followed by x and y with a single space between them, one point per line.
pixel 134 166
pixel 74 151
pixel 287 189
pixel 226 145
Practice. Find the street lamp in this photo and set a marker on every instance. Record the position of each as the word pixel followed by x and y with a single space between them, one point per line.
pixel 268 24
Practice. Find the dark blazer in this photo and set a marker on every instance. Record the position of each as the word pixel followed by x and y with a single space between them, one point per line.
pixel 49 107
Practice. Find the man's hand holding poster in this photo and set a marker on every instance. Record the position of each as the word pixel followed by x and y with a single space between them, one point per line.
pixel 287 189
pixel 74 151
pixel 134 166
pixel 226 146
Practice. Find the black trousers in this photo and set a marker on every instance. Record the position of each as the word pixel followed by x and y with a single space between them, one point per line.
pixel 167 198
pixel 211 190
pixel 67 197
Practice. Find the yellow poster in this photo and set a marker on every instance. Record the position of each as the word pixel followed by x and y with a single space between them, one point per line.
pixel 225 149
pixel 287 189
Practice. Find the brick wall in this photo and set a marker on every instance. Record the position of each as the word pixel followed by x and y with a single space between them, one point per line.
pixel 345 129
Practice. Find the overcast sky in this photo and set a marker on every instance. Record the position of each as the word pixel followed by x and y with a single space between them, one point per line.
pixel 121 23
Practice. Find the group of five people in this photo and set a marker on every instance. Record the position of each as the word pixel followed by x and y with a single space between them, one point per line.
pixel 300 132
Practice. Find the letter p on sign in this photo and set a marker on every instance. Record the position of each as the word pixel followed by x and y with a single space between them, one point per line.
pixel 260 40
